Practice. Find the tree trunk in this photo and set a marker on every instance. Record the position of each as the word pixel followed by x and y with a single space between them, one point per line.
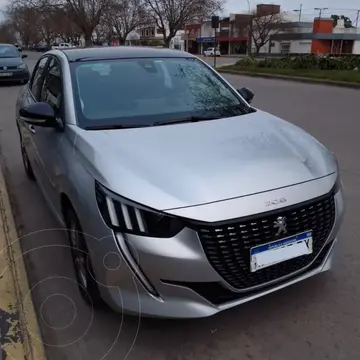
pixel 88 37
pixel 167 41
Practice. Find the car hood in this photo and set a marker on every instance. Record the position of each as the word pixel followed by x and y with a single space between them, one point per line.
pixel 173 166
pixel 16 61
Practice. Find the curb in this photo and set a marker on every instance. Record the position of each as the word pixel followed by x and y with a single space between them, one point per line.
pixel 20 335
pixel 291 78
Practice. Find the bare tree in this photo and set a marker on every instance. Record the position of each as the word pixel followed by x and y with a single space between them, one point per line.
pixel 263 27
pixel 66 29
pixel 86 14
pixel 23 20
pixel 170 16
pixel 46 24
pixel 7 32
pixel 125 16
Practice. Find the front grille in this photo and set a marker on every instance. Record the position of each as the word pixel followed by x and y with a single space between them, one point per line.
pixel 227 245
pixel 8 68
pixel 217 294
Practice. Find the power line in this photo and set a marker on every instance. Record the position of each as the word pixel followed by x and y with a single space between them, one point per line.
pixel 331 9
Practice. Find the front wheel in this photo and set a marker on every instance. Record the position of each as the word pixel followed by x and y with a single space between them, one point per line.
pixel 82 263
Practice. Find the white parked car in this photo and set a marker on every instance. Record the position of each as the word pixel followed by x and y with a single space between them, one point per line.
pixel 210 52
pixel 62 46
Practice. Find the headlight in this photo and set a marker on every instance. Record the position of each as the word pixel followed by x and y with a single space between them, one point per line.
pixel 22 66
pixel 128 217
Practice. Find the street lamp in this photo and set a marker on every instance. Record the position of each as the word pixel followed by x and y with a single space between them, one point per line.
pixel 320 10
pixel 248 48
pixel 299 11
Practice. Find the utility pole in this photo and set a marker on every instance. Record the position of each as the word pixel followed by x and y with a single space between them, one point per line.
pixel 299 12
pixel 320 10
pixel 357 18
pixel 249 42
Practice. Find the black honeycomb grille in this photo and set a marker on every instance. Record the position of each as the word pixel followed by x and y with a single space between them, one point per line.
pixel 227 246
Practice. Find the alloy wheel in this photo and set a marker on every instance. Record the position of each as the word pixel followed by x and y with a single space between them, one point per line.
pixel 87 284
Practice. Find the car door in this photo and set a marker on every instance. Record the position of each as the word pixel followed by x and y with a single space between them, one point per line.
pixel 29 95
pixel 47 140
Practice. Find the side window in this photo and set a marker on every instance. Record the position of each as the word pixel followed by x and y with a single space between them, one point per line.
pixel 38 76
pixel 51 91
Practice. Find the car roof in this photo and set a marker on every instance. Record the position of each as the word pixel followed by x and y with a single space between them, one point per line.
pixel 6 44
pixel 121 52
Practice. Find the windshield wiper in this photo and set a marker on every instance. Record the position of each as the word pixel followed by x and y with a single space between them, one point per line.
pixel 190 119
pixel 110 127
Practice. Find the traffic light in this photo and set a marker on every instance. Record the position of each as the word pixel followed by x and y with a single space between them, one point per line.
pixel 214 22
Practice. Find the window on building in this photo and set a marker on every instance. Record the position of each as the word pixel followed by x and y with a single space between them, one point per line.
pixel 285 48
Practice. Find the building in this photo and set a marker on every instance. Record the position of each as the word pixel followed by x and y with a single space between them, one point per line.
pixel 150 34
pixel 311 36
pixel 231 36
pixel 278 37
pixel 192 33
pixel 322 38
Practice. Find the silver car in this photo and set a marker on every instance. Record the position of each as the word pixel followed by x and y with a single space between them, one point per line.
pixel 180 198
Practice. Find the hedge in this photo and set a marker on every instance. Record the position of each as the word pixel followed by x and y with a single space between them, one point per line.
pixel 326 62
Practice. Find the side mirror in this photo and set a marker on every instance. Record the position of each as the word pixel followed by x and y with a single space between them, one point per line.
pixel 24 56
pixel 39 114
pixel 247 94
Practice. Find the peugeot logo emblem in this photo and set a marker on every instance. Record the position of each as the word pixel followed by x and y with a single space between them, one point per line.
pixel 280 225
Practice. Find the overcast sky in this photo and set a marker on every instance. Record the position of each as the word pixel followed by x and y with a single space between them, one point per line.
pixel 340 7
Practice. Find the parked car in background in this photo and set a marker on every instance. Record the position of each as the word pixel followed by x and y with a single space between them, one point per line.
pixel 18 46
pixel 180 198
pixel 212 52
pixel 62 46
pixel 41 47
pixel 12 65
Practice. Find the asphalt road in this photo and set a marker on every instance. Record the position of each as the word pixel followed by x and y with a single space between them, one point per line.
pixel 314 320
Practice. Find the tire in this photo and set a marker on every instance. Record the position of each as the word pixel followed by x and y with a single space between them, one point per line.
pixel 82 263
pixel 26 162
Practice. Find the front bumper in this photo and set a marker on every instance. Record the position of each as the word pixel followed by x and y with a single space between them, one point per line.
pixel 17 75
pixel 173 278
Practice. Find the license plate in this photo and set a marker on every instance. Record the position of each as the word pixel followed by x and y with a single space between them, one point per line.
pixel 6 74
pixel 275 252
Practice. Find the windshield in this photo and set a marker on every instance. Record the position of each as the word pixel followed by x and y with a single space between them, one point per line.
pixel 151 91
pixel 8 51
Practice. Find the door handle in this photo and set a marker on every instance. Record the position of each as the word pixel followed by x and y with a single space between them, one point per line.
pixel 32 129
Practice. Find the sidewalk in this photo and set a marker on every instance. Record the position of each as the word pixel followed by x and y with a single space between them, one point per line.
pixel 222 56
pixel 20 338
